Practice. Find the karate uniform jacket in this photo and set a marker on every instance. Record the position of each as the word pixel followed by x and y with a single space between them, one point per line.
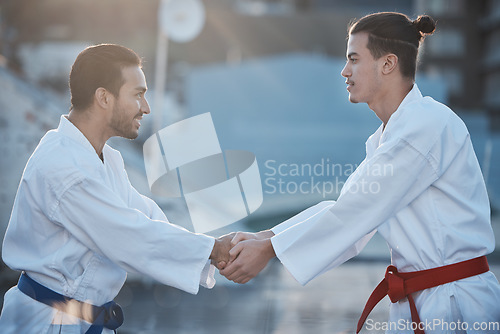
pixel 77 227
pixel 421 187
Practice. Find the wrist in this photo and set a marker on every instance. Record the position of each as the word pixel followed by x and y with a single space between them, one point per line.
pixel 269 249
pixel 213 254
pixel 266 234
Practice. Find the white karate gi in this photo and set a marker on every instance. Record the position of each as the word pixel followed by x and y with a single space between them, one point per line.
pixel 78 226
pixel 421 187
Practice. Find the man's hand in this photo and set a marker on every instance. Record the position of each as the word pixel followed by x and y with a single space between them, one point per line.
pixel 220 252
pixel 248 258
pixel 241 236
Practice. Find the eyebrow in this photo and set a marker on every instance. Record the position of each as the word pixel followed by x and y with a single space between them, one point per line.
pixel 141 89
pixel 349 56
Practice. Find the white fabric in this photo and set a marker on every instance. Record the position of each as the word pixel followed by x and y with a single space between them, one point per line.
pixel 78 225
pixel 421 187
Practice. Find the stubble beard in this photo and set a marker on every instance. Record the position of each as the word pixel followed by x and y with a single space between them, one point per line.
pixel 122 126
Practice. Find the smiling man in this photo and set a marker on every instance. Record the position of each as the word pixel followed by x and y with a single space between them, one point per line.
pixel 432 206
pixel 77 224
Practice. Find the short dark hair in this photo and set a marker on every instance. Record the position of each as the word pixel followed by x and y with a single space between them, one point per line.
pixel 390 32
pixel 99 66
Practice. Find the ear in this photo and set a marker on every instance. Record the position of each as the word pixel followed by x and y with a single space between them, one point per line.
pixel 390 62
pixel 103 97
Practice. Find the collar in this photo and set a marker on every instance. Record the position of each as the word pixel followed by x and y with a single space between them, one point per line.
pixel 68 129
pixel 378 136
pixel 373 141
pixel 412 96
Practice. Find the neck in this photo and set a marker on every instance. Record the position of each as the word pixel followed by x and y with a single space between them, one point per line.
pixel 389 99
pixel 91 127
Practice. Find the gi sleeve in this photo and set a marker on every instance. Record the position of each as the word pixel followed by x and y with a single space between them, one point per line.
pixel 395 175
pixel 302 219
pixel 153 211
pixel 101 220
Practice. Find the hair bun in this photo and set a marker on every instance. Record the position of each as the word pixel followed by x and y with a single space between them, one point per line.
pixel 425 24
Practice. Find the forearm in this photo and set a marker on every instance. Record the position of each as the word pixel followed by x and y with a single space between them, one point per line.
pixel 267 246
pixel 268 249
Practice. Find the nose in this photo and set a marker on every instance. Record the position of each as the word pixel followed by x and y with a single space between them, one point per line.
pixel 145 107
pixel 346 71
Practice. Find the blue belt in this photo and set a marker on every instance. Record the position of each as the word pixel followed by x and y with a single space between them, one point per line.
pixel 109 315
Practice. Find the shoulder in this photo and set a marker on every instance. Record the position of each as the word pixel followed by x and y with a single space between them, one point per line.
pixel 426 122
pixel 59 162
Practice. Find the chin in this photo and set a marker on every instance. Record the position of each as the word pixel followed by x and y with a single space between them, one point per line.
pixel 131 135
pixel 353 99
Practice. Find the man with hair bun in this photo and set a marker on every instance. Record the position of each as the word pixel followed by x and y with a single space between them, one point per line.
pixel 432 207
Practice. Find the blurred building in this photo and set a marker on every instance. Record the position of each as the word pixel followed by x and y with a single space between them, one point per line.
pixel 235 30
pixel 490 78
pixel 466 50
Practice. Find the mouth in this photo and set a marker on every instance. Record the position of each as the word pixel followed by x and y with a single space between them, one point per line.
pixel 349 85
pixel 138 120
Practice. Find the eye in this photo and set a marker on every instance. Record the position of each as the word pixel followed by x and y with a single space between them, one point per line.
pixel 353 60
pixel 140 95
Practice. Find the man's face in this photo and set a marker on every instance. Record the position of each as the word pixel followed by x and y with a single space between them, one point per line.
pixel 361 70
pixel 130 104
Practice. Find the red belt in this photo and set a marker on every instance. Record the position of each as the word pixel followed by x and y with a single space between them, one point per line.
pixel 400 285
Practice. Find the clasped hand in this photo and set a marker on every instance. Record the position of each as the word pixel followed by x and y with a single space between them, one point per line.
pixel 241 256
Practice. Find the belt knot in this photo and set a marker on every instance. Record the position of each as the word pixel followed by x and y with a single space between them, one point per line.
pixel 395 283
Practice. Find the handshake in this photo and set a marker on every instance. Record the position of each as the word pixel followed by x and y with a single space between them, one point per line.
pixel 240 256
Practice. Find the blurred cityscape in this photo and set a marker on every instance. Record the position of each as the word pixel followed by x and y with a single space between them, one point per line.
pixel 268 71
